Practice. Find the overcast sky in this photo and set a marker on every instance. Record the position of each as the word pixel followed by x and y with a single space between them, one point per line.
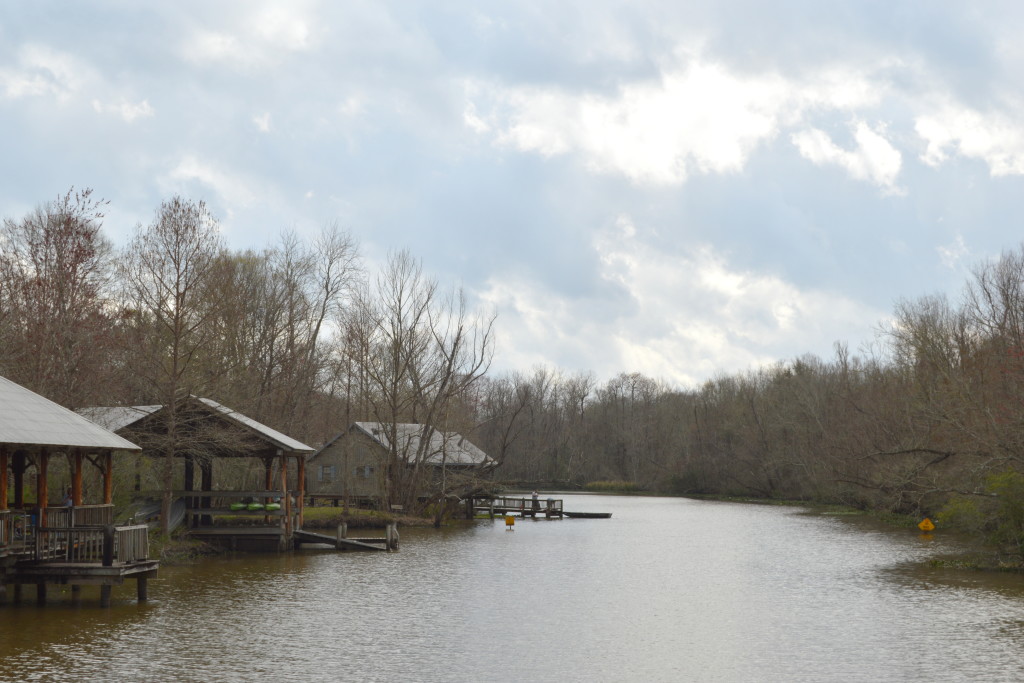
pixel 681 189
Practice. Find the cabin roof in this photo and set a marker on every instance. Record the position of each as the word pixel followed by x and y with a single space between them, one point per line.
pixel 26 418
pixel 449 448
pixel 121 417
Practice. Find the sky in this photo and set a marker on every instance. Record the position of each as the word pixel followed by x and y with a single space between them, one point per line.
pixel 680 189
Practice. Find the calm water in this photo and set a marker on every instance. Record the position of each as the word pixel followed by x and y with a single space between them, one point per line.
pixel 666 590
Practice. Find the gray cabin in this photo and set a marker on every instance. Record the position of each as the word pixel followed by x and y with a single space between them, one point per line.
pixel 353 463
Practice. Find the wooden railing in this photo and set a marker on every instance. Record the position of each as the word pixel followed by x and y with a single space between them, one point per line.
pixel 16 529
pixel 528 504
pixel 131 543
pixel 92 515
pixel 106 544
pixel 69 544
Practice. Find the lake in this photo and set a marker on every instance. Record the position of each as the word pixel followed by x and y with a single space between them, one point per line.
pixel 668 589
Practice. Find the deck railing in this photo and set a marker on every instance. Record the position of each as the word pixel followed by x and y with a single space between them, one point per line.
pixel 131 543
pixel 123 545
pixel 92 515
pixel 16 529
pixel 528 504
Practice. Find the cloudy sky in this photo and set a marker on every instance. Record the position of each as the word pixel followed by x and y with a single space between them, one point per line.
pixel 677 188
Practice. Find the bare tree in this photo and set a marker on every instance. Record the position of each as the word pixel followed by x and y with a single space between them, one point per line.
pixel 55 325
pixel 165 271
pixel 419 352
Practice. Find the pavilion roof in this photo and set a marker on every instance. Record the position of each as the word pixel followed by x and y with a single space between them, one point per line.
pixel 121 417
pixel 26 418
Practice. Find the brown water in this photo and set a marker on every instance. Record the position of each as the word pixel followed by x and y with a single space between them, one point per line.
pixel 666 590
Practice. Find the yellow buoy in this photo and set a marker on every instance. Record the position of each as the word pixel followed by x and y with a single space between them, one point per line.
pixel 926 525
pixel 510 520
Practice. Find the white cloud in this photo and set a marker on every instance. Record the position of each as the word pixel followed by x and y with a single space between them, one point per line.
pixel 995 137
pixel 262 122
pixel 129 111
pixel 40 70
pixel 874 160
pixel 257 39
pixel 689 315
pixel 701 118
pixel 233 190
pixel 953 254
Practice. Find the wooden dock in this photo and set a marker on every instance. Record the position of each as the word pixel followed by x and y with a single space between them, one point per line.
pixel 529 507
pixel 524 507
pixel 82 555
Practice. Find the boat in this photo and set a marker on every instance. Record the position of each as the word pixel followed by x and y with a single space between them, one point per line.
pixel 589 515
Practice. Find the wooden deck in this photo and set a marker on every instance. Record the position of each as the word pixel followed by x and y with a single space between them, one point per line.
pixel 73 555
pixel 524 507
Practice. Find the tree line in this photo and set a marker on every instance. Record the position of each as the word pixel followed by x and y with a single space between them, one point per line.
pixel 301 337
pixel 297 336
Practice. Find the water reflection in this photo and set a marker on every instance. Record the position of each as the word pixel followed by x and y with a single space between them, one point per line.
pixel 667 589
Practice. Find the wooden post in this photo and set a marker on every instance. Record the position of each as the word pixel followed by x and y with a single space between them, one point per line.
pixel 285 498
pixel 189 484
pixel 18 468
pixel 300 459
pixel 3 477
pixel 42 486
pixel 141 589
pixel 108 477
pixel 268 467
pixel 206 486
pixel 392 536
pixel 105 595
pixel 76 479
pixel 41 593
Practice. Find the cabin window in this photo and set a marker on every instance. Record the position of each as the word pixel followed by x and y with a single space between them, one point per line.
pixel 326 473
pixel 364 471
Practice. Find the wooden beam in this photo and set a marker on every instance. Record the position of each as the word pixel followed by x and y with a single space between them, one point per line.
pixel 18 468
pixel 268 467
pixel 301 468
pixel 286 499
pixel 42 484
pixel 3 476
pixel 76 479
pixel 108 477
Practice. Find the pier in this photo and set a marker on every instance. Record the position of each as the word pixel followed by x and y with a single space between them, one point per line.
pixel 524 507
pixel 69 551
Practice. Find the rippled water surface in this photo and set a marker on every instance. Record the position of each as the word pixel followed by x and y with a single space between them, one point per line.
pixel 665 590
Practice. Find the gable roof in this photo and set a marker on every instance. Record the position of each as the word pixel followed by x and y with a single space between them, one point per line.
pixel 117 418
pixel 26 418
pixel 448 448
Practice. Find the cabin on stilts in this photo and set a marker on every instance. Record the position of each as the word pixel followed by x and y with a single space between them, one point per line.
pixel 251 477
pixel 61 536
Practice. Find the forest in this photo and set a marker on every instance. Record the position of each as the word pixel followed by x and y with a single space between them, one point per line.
pixel 926 420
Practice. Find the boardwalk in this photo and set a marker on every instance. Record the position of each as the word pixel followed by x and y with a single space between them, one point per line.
pixel 524 507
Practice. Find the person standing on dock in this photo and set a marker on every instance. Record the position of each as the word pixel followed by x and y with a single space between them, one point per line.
pixel 536 501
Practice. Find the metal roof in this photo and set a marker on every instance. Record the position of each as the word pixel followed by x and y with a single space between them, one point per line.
pixel 281 440
pixel 118 417
pixel 26 418
pixel 451 448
